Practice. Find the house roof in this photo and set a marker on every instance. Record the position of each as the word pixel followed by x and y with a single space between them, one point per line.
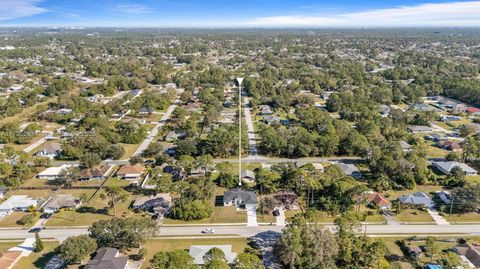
pixel 130 169
pixel 161 197
pixel 53 171
pixel 16 201
pixel 62 201
pixel 471 252
pixel 247 174
pixel 98 171
pixel 418 198
pixel 448 166
pixel 247 196
pixel 50 148
pixel 107 258
pixel 348 168
pixel 378 199
pixel 271 119
pixel 199 251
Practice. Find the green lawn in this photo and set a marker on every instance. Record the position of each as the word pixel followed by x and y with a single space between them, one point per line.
pixel 129 150
pixel 116 182
pixel 473 179
pixel 5 246
pixel 220 214
pixel 38 260
pixel 157 245
pixel 11 220
pixel 469 217
pixel 92 211
pixel 411 215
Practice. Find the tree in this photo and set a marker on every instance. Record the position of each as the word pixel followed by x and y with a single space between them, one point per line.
pixel 76 248
pixel 456 178
pixel 122 233
pixel 172 260
pixel 248 261
pixel 216 264
pixel 304 245
pixel 431 247
pixel 89 160
pixel 115 194
pixel 38 245
pixel 214 254
pixel 136 159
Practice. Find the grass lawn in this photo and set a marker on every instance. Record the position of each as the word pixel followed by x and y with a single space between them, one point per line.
pixel 220 214
pixel 5 246
pixel 469 217
pixel 473 179
pixel 116 182
pixel 157 245
pixel 88 183
pixel 39 194
pixel 411 215
pixel 92 211
pixel 268 218
pixel 38 260
pixel 435 152
pixel 129 150
pixel 11 220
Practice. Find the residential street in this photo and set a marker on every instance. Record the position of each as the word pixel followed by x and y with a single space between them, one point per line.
pixel 247 231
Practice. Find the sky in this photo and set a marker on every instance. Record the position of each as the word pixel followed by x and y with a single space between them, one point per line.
pixel 242 13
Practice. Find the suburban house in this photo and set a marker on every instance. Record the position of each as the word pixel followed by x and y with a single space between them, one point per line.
pixel 107 258
pixel 350 169
pixel 131 172
pixel 418 199
pixel 417 129
pixel 377 199
pixel 469 253
pixel 145 111
pixel 16 203
pixel 198 253
pixel 435 137
pixel 288 200
pixel 271 119
pixel 405 146
pixel 50 150
pixel 98 172
pixel 317 166
pixel 446 167
pixel 444 196
pixel 239 198
pixel 449 145
pixel 472 110
pixel 60 201
pixel 173 136
pixel 422 107
pixel 448 118
pixel 266 110
pixel 157 204
pixel 248 176
pixel 53 173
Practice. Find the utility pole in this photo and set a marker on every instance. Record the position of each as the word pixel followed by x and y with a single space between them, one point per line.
pixel 239 80
pixel 451 206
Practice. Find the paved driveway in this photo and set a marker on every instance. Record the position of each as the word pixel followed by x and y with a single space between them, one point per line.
pixel 251 215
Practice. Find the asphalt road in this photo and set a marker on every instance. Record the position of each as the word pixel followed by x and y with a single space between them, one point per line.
pixel 244 231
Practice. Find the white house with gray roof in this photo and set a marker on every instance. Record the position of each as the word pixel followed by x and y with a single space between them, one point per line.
pixel 198 252
pixel 239 198
pixel 446 168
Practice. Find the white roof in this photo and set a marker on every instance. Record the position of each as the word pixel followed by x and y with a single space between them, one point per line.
pixel 53 171
pixel 17 201
pixel 198 251
pixel 448 166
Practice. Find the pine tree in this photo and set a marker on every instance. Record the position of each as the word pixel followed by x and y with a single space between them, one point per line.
pixel 38 243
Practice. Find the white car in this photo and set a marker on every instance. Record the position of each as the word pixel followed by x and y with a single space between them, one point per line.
pixel 208 231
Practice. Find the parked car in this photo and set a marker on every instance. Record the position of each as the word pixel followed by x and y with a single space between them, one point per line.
pixel 46 215
pixel 35 230
pixel 208 231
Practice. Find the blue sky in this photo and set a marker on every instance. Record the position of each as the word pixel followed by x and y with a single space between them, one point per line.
pixel 243 13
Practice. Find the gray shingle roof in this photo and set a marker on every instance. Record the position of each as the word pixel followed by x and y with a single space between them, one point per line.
pixel 247 196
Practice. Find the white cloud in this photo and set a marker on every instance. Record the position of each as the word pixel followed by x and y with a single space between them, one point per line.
pixel 12 9
pixel 133 9
pixel 455 14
